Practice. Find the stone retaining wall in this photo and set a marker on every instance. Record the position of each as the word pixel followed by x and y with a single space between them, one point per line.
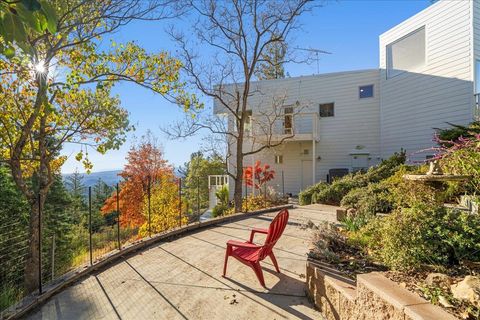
pixel 373 296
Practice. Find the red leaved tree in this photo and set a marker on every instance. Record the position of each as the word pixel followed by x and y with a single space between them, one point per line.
pixel 258 175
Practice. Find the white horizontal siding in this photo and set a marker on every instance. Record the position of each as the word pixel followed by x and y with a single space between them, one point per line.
pixel 413 103
pixel 356 122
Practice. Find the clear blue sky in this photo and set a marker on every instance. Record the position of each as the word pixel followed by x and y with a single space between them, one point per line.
pixel 348 29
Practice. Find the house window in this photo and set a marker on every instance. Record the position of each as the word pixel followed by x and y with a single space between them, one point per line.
pixel 279 159
pixel 365 91
pixel 407 53
pixel 326 110
pixel 288 120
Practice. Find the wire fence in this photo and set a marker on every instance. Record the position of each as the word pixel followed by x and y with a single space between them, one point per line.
pixel 75 238
pixel 80 232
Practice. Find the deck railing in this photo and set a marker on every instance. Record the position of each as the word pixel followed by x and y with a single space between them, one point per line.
pixel 297 126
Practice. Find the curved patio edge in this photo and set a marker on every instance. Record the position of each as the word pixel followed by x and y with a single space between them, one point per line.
pixel 33 301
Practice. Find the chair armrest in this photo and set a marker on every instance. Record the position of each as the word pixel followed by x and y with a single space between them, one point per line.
pixel 234 243
pixel 257 230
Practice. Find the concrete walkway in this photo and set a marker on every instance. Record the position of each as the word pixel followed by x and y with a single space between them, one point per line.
pixel 182 279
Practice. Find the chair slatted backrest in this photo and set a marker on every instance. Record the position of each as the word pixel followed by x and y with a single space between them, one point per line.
pixel 275 230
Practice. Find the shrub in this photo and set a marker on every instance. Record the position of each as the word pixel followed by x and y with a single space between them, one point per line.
pixel 404 193
pixel 334 192
pixel 223 195
pixel 411 238
pixel 326 242
pixel 355 222
pixel 305 196
pixel 369 200
pixel 219 210
pixel 446 136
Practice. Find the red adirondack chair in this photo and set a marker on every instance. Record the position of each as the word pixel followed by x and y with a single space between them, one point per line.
pixel 251 254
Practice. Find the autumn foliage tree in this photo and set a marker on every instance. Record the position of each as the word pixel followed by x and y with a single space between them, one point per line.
pixel 56 88
pixel 258 175
pixel 145 169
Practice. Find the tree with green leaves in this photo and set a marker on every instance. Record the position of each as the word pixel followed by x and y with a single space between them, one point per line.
pixel 19 18
pixel 196 173
pixel 57 89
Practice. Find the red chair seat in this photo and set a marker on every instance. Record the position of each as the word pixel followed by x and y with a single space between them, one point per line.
pixel 247 254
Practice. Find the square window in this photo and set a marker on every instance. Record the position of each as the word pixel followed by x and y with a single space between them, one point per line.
pixel 327 110
pixel 279 159
pixel 366 91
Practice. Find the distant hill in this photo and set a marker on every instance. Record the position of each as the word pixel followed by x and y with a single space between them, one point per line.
pixel 109 177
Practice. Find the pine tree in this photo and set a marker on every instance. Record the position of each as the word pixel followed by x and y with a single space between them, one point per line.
pixel 75 185
pixel 271 64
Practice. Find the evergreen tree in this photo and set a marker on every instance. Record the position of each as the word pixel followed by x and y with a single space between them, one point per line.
pixel 59 221
pixel 270 65
pixel 100 193
pixel 75 185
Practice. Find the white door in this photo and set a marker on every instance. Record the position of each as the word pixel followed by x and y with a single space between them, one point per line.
pixel 307 176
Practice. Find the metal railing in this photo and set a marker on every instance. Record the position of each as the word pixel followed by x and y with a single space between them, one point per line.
pixel 300 126
pixel 73 239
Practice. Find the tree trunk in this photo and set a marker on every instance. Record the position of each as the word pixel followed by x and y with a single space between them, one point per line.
pixel 33 258
pixel 237 195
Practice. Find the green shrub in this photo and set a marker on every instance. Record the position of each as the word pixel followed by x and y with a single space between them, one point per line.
pixel 305 196
pixel 411 238
pixel 355 222
pixel 219 210
pixel 369 200
pixel 334 192
pixel 404 193
pixel 223 195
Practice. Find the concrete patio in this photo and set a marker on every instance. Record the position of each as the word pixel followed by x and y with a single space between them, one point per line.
pixel 181 279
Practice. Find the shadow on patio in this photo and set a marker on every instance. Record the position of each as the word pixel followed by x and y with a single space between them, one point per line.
pixel 181 279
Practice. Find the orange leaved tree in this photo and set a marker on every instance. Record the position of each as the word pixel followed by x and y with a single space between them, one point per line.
pixel 145 168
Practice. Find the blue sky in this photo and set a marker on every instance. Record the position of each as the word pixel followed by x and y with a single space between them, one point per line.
pixel 348 29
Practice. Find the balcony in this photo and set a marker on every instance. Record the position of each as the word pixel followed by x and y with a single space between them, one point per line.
pixel 288 127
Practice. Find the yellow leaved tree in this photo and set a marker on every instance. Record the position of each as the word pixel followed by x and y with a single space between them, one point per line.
pixel 57 88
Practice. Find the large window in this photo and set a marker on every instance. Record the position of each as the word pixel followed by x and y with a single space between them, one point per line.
pixel 407 53
pixel 327 110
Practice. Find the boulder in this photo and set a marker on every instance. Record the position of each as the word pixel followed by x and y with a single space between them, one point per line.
pixel 468 289
pixel 438 280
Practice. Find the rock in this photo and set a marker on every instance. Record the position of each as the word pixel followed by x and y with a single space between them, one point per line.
pixel 438 280
pixel 444 302
pixel 468 289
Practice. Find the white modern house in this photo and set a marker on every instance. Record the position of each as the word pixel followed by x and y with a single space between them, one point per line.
pixel 346 121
